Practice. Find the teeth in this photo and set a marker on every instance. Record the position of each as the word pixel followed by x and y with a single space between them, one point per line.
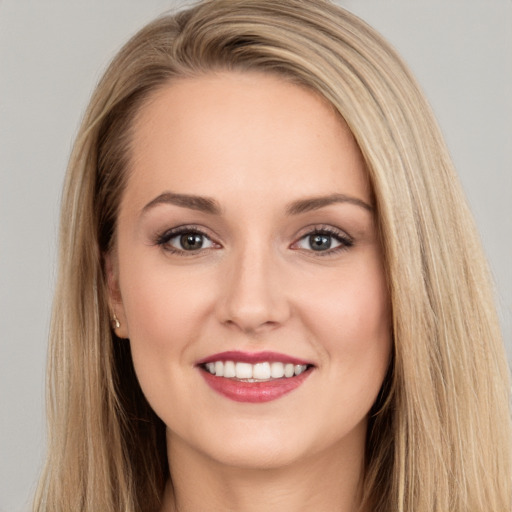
pixel 243 370
pixel 219 369
pixel 276 370
pixel 298 369
pixel 229 369
pixel 289 370
pixel 261 371
pixel 254 372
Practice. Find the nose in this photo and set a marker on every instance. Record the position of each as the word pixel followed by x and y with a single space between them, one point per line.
pixel 253 297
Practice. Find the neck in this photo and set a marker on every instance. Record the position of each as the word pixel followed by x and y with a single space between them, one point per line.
pixel 330 482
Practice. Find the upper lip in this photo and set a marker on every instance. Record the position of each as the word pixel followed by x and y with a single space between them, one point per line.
pixel 253 358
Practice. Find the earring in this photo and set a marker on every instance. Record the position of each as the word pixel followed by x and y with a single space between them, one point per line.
pixel 115 322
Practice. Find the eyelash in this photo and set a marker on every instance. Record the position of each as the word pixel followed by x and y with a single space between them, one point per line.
pixel 345 242
pixel 163 240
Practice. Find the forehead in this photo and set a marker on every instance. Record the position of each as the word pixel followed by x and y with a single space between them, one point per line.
pixel 213 133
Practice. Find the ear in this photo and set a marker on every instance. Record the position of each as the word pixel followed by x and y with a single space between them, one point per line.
pixel 114 296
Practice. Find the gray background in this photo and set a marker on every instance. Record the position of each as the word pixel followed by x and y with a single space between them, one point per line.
pixel 51 55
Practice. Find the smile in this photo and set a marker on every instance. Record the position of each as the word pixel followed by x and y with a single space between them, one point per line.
pixel 258 372
pixel 261 377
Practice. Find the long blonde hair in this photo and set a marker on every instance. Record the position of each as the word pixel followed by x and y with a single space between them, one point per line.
pixel 439 437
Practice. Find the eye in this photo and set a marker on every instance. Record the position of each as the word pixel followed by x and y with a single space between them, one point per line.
pixel 190 241
pixel 184 239
pixel 324 240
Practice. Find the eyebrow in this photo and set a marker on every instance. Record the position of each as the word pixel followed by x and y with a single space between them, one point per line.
pixel 209 205
pixel 315 203
pixel 199 203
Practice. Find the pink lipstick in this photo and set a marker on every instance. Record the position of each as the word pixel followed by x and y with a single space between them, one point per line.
pixel 254 377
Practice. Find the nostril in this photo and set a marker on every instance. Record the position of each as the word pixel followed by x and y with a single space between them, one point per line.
pixel 251 327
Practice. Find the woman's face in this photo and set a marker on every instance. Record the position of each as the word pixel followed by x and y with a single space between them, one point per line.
pixel 246 253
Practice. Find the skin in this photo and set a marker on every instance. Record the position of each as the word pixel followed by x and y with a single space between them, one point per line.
pixel 254 144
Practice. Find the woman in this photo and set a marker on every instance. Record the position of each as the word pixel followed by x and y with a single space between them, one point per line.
pixel 271 293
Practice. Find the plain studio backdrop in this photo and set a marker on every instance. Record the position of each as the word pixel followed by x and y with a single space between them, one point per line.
pixel 52 53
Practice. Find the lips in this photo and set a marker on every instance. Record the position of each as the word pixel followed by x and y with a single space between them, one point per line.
pixel 254 377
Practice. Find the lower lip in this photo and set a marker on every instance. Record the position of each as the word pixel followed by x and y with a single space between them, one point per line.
pixel 254 392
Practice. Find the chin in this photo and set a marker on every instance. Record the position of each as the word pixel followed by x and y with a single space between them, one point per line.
pixel 258 456
pixel 271 445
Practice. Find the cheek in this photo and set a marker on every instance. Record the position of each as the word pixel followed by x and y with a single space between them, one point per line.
pixel 163 313
pixel 355 304
pixel 351 322
pixel 164 310
pixel 161 303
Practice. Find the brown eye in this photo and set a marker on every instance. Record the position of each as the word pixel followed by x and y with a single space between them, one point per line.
pixel 191 241
pixel 182 240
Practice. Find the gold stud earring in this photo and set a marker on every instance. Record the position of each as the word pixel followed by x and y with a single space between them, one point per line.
pixel 115 322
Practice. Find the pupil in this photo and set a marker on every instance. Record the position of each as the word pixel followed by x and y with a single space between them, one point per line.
pixel 191 241
pixel 320 242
